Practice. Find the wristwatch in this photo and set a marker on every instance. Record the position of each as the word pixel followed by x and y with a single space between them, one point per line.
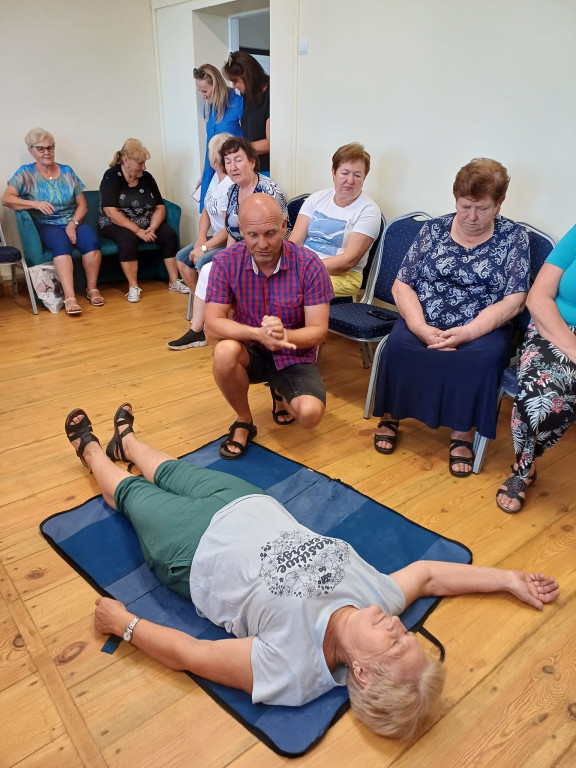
pixel 77 223
pixel 130 628
pixel 203 249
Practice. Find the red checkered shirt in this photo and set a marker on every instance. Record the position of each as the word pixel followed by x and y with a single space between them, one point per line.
pixel 300 280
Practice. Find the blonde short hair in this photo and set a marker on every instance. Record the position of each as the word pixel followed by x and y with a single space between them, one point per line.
pixel 132 148
pixel 214 146
pixel 393 708
pixel 37 134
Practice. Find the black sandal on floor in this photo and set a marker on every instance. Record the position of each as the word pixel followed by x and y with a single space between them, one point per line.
pixel 228 441
pixel 277 398
pixel 389 424
pixel 461 459
pixel 82 430
pixel 513 486
pixel 122 418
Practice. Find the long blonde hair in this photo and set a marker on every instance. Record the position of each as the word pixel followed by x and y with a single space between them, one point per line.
pixel 220 98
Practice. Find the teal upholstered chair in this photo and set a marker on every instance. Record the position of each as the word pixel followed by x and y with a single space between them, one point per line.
pixel 110 271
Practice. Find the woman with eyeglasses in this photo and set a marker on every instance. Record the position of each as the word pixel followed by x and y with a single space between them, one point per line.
pixel 52 193
pixel 132 212
pixel 248 77
pixel 222 112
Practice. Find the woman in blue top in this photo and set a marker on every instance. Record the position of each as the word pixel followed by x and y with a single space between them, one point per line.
pixel 463 279
pixel 222 112
pixel 52 193
pixel 545 405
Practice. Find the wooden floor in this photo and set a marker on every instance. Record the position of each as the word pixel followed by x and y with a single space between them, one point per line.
pixel 510 697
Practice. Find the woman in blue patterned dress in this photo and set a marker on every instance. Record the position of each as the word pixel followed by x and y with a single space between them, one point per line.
pixel 545 405
pixel 222 112
pixel 463 279
pixel 52 193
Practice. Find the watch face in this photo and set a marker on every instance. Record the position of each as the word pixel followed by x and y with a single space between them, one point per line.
pixel 127 635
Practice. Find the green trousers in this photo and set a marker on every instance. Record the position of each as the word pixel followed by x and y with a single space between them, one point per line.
pixel 171 514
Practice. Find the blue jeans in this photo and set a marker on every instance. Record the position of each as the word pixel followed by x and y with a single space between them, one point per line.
pixel 183 255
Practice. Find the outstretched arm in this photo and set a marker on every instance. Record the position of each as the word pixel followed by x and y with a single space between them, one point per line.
pixel 428 577
pixel 223 661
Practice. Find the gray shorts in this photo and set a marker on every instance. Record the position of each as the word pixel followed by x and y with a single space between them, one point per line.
pixel 292 381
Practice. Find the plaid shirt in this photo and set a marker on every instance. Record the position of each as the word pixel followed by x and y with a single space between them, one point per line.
pixel 299 281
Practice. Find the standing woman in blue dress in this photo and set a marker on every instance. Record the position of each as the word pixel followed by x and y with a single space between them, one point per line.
pixel 222 112
pixel 247 76
pixel 462 281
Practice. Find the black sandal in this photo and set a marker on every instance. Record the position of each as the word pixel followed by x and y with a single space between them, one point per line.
pixel 122 418
pixel 228 441
pixel 513 487
pixel 82 430
pixel 461 459
pixel 389 424
pixel 277 398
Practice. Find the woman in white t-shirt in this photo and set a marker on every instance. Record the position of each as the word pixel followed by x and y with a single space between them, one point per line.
pixel 340 224
pixel 193 257
pixel 306 611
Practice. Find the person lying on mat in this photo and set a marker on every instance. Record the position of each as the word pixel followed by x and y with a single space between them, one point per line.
pixel 462 281
pixel 280 293
pixel 307 612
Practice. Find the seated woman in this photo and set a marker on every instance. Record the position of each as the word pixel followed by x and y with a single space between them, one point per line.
pixel 248 77
pixel 53 194
pixel 241 163
pixel 221 542
pixel 222 112
pixel 132 211
pixel 545 405
pixel 192 258
pixel 463 279
pixel 340 224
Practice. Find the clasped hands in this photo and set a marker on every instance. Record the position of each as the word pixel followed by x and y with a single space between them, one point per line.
pixel 148 235
pixel 273 334
pixel 448 340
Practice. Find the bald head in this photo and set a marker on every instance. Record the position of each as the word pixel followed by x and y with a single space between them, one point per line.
pixel 258 206
pixel 263 227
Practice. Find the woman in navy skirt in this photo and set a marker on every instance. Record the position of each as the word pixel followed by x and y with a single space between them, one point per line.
pixel 463 279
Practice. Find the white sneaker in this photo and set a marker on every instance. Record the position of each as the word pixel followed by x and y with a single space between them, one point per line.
pixel 133 294
pixel 179 286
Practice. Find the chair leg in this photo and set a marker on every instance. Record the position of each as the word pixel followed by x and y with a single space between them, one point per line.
pixel 30 286
pixel 14 280
pixel 481 442
pixel 190 300
pixel 373 376
pixel 367 356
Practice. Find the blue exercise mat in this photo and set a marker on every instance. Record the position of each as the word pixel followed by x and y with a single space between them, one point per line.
pixel 102 546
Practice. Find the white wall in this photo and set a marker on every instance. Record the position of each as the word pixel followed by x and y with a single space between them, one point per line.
pixel 84 70
pixel 427 86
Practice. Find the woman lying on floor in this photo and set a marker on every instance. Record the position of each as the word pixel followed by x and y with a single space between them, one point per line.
pixel 307 612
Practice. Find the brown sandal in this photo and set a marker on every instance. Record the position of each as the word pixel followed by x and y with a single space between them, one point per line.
pixel 389 424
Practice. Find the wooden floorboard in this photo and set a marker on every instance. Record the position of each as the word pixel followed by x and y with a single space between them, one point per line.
pixel 510 696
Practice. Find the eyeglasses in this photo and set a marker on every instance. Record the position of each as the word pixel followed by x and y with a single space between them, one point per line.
pixel 199 74
pixel 43 150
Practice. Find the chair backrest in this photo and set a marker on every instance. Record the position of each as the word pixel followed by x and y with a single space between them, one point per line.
pixel 541 246
pixel 396 239
pixel 374 252
pixel 293 209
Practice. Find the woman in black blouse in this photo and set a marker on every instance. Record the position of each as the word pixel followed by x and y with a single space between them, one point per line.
pixel 131 211
pixel 248 77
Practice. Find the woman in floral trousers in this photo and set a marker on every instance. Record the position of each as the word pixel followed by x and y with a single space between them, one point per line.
pixel 545 405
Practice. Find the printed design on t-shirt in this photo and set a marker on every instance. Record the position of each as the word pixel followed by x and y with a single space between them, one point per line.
pixel 325 234
pixel 298 564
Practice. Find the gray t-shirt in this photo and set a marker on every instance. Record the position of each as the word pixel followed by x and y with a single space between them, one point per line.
pixel 258 572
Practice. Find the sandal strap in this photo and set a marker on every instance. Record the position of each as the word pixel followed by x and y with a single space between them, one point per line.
pixel 461 460
pixel 389 424
pixel 455 443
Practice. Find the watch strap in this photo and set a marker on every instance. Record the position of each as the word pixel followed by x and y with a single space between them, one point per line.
pixel 130 629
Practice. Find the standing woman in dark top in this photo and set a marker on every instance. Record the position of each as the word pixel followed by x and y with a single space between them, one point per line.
pixel 132 211
pixel 248 77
